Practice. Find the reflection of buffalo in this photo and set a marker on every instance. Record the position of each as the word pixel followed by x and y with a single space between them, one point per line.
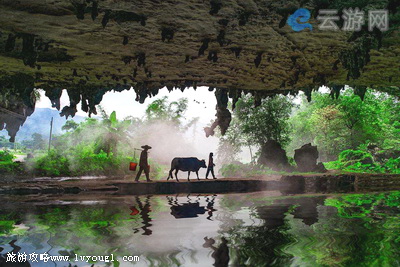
pixel 187 210
pixel 186 165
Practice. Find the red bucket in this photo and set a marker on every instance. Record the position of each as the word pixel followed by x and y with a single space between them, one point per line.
pixel 132 166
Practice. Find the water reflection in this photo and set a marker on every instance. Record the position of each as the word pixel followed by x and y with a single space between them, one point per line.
pixel 220 253
pixel 189 209
pixel 205 230
pixel 210 206
pixel 144 214
pixel 15 249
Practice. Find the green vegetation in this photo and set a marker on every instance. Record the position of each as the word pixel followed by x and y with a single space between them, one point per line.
pixel 99 146
pixel 253 126
pixel 36 142
pixel 348 230
pixel 238 169
pixel 5 143
pixel 6 156
pixel 347 122
pixel 360 161
pixel 351 134
pixel 322 230
pixel 7 165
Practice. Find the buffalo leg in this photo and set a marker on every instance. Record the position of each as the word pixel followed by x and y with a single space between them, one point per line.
pixel 176 175
pixel 197 173
pixel 170 175
pixel 188 175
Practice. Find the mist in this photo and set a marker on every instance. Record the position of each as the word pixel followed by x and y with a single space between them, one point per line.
pixel 168 142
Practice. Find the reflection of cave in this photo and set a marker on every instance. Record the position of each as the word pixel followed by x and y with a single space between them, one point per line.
pixel 305 209
pixel 274 215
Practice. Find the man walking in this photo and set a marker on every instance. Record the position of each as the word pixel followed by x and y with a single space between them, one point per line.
pixel 210 167
pixel 143 164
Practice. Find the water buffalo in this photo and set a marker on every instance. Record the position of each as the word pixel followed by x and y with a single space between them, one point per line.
pixel 186 165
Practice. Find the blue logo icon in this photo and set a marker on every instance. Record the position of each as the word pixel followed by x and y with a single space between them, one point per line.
pixel 301 15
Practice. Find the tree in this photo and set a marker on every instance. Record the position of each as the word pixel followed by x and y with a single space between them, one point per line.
pixel 230 144
pixel 328 129
pixel 254 126
pixel 173 112
pixel 36 142
pixel 265 122
pixel 114 131
pixel 5 143
pixel 70 125
pixel 346 122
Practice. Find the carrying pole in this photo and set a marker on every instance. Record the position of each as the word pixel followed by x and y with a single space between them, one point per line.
pixel 51 130
pixel 134 152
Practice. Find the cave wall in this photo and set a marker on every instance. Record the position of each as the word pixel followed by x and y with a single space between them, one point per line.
pixel 92 46
pixel 149 44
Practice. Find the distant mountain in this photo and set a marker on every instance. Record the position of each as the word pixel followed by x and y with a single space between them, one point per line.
pixel 39 122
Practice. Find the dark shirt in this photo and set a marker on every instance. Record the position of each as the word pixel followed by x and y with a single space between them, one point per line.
pixel 143 159
pixel 210 162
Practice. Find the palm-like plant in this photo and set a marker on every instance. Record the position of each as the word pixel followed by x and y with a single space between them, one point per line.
pixel 113 132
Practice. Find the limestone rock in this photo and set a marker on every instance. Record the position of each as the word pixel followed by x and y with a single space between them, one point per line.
pixel 274 156
pixel 306 159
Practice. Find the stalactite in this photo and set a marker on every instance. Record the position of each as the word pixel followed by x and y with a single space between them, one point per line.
pixel 335 91
pixel 95 10
pixel 74 99
pixel 308 92
pixel 204 46
pixel 167 34
pixel 223 115
pixel 17 102
pixel 54 95
pixel 257 60
pixel 360 91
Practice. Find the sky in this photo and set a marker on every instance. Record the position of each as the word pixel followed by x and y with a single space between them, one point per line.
pixel 201 103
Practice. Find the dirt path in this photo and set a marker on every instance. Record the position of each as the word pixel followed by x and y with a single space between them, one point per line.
pixel 120 185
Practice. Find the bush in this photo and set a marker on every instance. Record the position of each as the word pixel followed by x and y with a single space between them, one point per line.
pixel 360 161
pixel 392 166
pixel 353 156
pixel 86 162
pixel 7 165
pixel 52 164
pixel 10 167
pixel 238 169
pixel 5 155
pixel 232 170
